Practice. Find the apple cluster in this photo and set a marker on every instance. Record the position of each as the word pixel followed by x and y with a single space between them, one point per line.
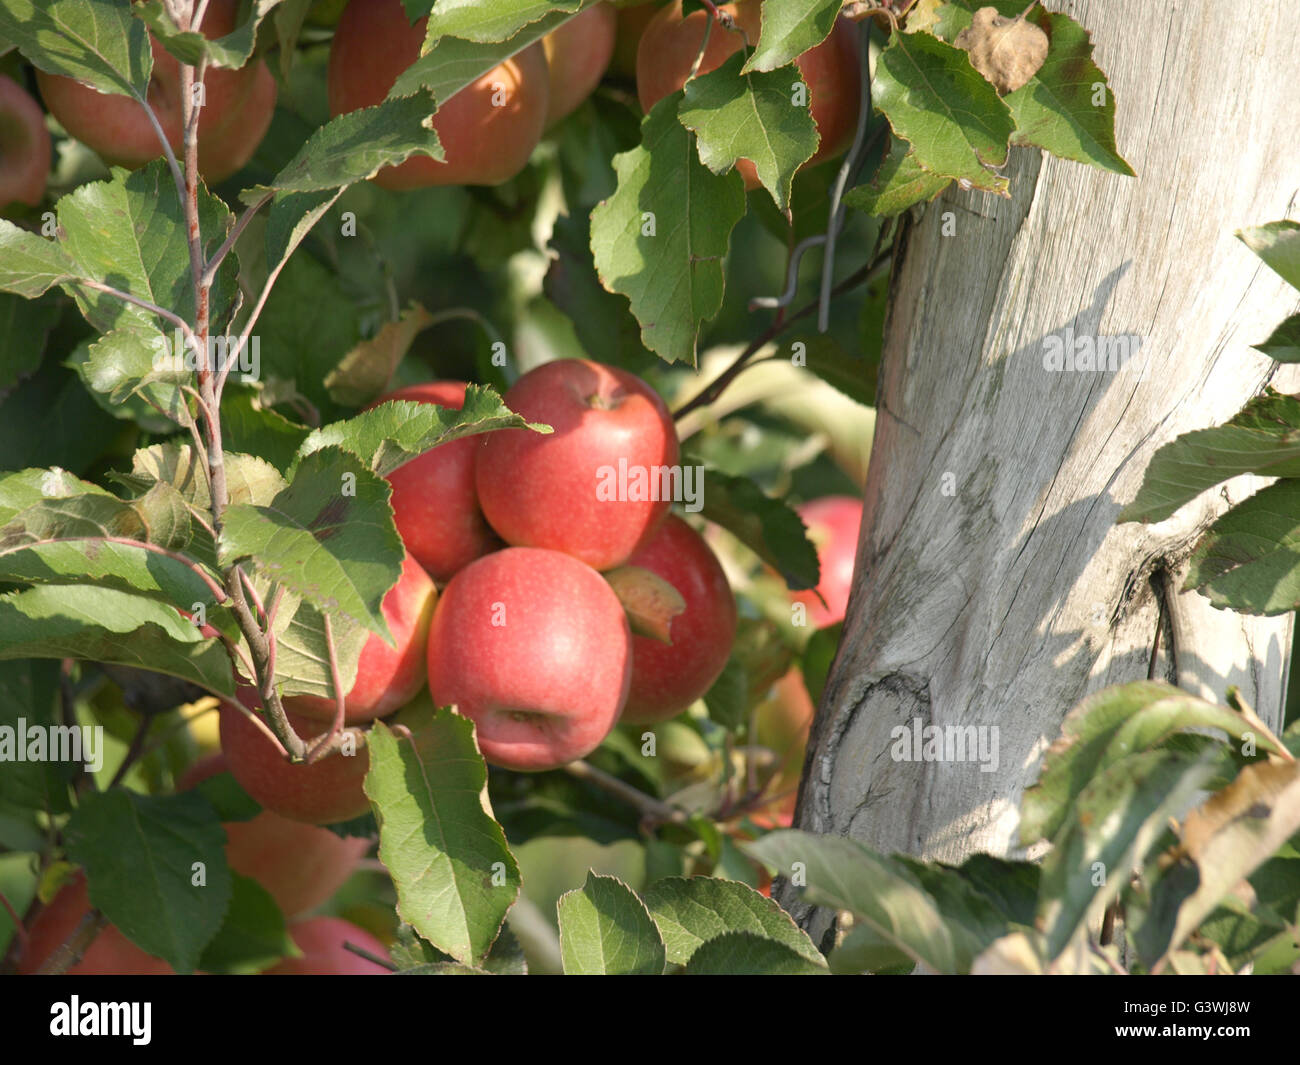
pixel 526 637
pixel 487 130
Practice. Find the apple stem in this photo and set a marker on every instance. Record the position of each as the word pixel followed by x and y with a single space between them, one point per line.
pixel 652 809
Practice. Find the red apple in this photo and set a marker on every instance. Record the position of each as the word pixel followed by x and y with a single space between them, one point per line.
pixel 387 677
pixel 435 503
pixel 833 524
pixel 666 679
pixel 321 941
pixel 488 129
pixel 322 793
pixel 235 115
pixel 593 488
pixel 299 865
pixel 670 43
pixel 109 954
pixel 533 646
pixel 24 147
pixel 577 55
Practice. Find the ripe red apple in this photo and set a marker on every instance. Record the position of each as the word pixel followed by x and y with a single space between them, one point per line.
pixel 833 525
pixel 666 679
pixel 321 941
pixel 299 865
pixel 562 490
pixel 110 954
pixel 671 42
pixel 533 646
pixel 577 55
pixel 488 129
pixel 387 677
pixel 24 147
pixel 435 503
pixel 232 122
pixel 322 793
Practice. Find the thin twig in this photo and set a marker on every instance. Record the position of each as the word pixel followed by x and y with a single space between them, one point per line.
pixel 360 952
pixel 133 752
pixel 651 808
pixel 214 264
pixel 70 951
pixel 19 931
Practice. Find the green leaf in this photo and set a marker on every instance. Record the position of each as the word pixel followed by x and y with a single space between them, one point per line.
pixel 231 51
pixel 1284 343
pixel 387 437
pixel 356 146
pixel 728 698
pixel 309 324
pixel 661 239
pixel 818 655
pixel 1249 560
pixel 900 183
pixel 1105 728
pixel 746 954
pixel 24 326
pixel 292 216
pixel 488 21
pixel 28 692
pixel 124 367
pixel 864 950
pixel 1234 833
pixel 935 100
pixel 252 936
pixel 260 431
pixel 131 232
pixel 449 63
pixel 768 527
pixel 105 625
pixel 328 536
pixel 101 539
pixel 454 874
pixel 750 116
pixel 790 28
pixel 302 663
pixel 850 375
pixel 691 911
pixel 602 320
pixel 846 875
pixel 139 852
pixel 249 480
pixel 94 41
pixel 367 369
pixel 1278 244
pixel 31 265
pixel 1056 110
pixel 605 930
pixel 1113 822
pixel 1262 438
